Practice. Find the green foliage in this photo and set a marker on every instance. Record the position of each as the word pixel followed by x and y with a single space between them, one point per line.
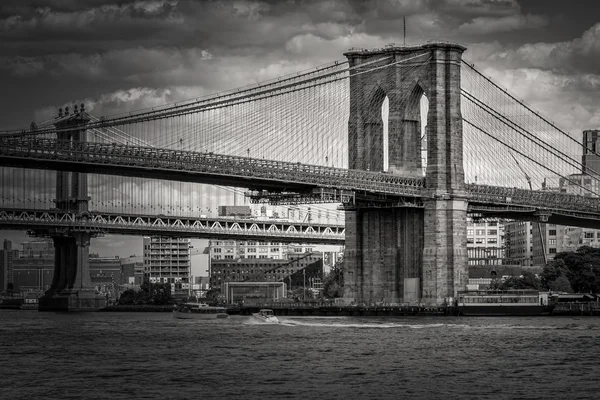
pixel 214 297
pixel 159 294
pixel 581 268
pixel 333 286
pixel 561 284
pixel 527 281
pixel 300 294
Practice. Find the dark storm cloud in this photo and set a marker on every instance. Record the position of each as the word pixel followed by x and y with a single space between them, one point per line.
pixel 122 55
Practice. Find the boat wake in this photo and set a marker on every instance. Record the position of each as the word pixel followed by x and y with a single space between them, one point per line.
pixel 365 325
pixel 254 321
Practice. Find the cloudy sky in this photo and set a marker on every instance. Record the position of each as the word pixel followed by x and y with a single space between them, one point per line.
pixel 125 55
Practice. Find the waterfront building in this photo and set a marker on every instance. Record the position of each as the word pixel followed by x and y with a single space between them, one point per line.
pixel 7 257
pixel 167 260
pixel 518 243
pixel 231 249
pixel 42 248
pixel 35 273
pixel 485 242
pixel 550 239
pixel 253 292
pixel 301 269
pixel 132 270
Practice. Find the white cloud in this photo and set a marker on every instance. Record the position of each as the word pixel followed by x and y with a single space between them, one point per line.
pixel 489 25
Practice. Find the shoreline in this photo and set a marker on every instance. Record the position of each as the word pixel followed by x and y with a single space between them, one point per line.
pixel 349 311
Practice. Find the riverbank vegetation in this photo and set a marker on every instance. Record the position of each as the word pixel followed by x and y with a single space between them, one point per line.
pixel 570 271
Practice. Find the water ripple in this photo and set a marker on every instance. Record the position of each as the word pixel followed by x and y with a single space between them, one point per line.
pixel 153 356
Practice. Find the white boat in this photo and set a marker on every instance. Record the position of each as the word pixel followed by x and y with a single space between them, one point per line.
pixel 199 311
pixel 266 315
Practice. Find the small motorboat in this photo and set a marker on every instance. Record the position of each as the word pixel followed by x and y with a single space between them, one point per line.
pixel 266 315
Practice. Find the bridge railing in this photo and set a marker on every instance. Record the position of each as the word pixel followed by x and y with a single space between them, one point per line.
pixel 54 150
pixel 539 199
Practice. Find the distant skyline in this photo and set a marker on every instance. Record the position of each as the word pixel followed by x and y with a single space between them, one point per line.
pixel 126 55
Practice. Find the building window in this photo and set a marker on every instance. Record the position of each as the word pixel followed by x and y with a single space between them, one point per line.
pixel 480 232
pixel 552 232
pixel 552 250
pixel 551 241
pixel 492 240
pixel 589 235
pixel 492 232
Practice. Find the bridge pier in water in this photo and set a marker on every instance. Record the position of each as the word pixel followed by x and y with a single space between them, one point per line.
pixel 404 254
pixel 71 288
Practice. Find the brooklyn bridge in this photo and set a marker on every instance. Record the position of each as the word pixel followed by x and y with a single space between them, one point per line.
pixel 451 143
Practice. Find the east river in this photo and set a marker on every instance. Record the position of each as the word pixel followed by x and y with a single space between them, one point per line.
pixel 154 356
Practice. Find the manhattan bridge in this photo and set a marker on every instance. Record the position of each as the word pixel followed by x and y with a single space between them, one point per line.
pixel 452 143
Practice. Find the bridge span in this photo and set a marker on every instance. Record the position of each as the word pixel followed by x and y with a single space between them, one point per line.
pixel 99 223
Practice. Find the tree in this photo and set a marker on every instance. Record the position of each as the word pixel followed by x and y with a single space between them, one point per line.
pixel 582 268
pixel 214 297
pixel 160 294
pixel 552 271
pixel 333 286
pixel 526 281
pixel 561 284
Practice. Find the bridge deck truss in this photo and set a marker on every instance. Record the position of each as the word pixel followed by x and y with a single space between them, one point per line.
pixel 211 228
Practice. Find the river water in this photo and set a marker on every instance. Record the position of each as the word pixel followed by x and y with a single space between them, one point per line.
pixel 154 356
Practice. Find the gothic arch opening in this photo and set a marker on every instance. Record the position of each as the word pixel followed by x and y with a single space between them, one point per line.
pixel 424 107
pixel 374 139
pixel 385 111
pixel 405 116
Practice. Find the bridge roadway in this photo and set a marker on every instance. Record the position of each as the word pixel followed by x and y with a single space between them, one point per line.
pixel 279 176
pixel 224 228
pixel 190 166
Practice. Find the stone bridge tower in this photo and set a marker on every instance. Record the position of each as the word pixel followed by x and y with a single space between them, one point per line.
pixel 72 288
pixel 407 254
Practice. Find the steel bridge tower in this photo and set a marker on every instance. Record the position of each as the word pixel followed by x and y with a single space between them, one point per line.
pixel 71 288
pixel 408 254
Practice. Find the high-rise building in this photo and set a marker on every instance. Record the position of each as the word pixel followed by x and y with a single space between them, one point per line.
pixel 518 243
pixel 167 260
pixel 591 149
pixel 231 249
